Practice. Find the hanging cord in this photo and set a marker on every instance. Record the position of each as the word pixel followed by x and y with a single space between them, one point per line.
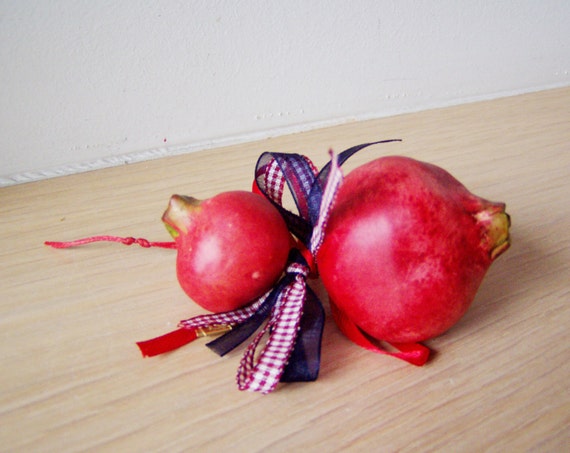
pixel 123 240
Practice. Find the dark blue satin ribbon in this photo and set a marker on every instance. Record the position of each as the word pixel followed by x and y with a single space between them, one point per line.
pixel 305 359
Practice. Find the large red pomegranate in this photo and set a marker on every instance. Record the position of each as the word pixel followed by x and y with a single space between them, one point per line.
pixel 232 248
pixel 406 248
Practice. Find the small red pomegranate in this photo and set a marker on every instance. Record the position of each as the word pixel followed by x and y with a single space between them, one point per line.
pixel 232 248
pixel 406 248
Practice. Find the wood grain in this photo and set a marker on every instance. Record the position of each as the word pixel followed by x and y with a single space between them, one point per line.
pixel 72 378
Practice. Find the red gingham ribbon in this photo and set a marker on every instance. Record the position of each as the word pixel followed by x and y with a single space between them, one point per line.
pixel 274 181
pixel 225 318
pixel 283 327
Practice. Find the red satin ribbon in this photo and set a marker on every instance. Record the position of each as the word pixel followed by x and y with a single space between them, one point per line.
pixel 178 338
pixel 414 353
pixel 167 342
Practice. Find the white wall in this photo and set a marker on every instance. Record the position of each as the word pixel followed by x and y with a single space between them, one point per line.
pixel 92 83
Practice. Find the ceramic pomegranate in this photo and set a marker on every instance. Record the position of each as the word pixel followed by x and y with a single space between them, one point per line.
pixel 406 248
pixel 231 248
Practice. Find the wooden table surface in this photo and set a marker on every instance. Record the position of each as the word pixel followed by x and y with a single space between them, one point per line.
pixel 72 378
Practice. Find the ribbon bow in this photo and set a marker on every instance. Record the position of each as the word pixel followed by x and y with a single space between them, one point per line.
pixel 295 314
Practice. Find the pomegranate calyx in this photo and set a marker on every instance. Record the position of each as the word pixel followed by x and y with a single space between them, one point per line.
pixel 496 225
pixel 177 216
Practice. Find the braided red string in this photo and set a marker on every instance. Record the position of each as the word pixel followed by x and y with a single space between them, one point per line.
pixel 123 240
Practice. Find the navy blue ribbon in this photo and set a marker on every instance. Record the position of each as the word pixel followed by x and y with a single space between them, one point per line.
pixel 306 187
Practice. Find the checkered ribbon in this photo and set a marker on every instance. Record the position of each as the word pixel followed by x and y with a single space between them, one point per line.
pixel 272 171
pixel 282 328
pixel 285 329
